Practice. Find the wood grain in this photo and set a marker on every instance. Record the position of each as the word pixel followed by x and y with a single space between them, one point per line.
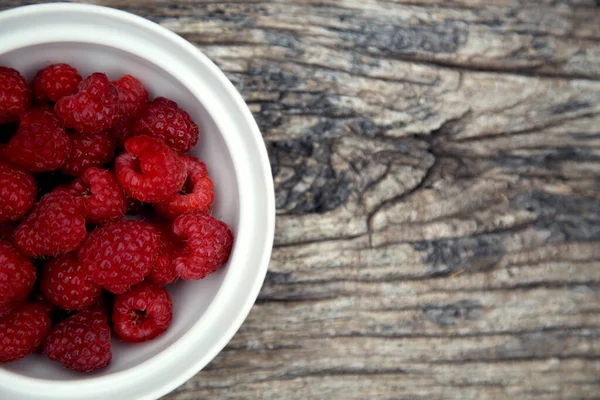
pixel 437 170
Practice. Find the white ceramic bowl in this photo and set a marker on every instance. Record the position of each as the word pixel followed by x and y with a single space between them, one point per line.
pixel 207 313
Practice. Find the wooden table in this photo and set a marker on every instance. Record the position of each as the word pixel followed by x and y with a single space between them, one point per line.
pixel 437 168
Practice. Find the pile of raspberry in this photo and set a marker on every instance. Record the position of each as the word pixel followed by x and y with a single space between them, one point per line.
pixel 100 209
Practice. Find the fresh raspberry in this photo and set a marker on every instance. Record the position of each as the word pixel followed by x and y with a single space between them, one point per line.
pixel 122 130
pixel 197 196
pixel 17 277
pixel 103 304
pixel 55 82
pixel 144 313
pixel 15 95
pixel 163 272
pixel 17 192
pixel 132 95
pixel 89 150
pixel 103 198
pixel 22 331
pixel 69 190
pixel 120 255
pixel 164 119
pixel 41 143
pixel 208 243
pixel 64 282
pixel 55 226
pixel 81 342
pixel 149 170
pixel 94 108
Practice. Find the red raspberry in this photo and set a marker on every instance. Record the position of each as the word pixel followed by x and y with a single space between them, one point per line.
pixel 81 342
pixel 22 331
pixel 149 170
pixel 120 255
pixel 144 313
pixel 103 198
pixel 75 195
pixel 94 108
pixel 55 82
pixel 163 119
pixel 15 95
pixel 89 150
pixel 132 95
pixel 17 192
pixel 55 226
pixel 208 243
pixel 197 196
pixel 17 277
pixel 122 130
pixel 64 282
pixel 41 143
pixel 163 272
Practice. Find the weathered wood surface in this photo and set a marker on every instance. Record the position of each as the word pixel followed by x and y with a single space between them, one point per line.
pixel 437 171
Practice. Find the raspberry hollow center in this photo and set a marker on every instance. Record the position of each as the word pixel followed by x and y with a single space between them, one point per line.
pixel 139 317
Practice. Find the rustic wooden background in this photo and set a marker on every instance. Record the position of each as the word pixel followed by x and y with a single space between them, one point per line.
pixel 437 171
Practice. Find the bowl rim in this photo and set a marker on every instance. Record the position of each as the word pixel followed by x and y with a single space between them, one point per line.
pixel 15 379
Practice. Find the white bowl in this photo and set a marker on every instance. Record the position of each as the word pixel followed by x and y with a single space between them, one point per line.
pixel 207 313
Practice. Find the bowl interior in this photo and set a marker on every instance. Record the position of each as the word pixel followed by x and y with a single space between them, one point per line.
pixel 191 298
